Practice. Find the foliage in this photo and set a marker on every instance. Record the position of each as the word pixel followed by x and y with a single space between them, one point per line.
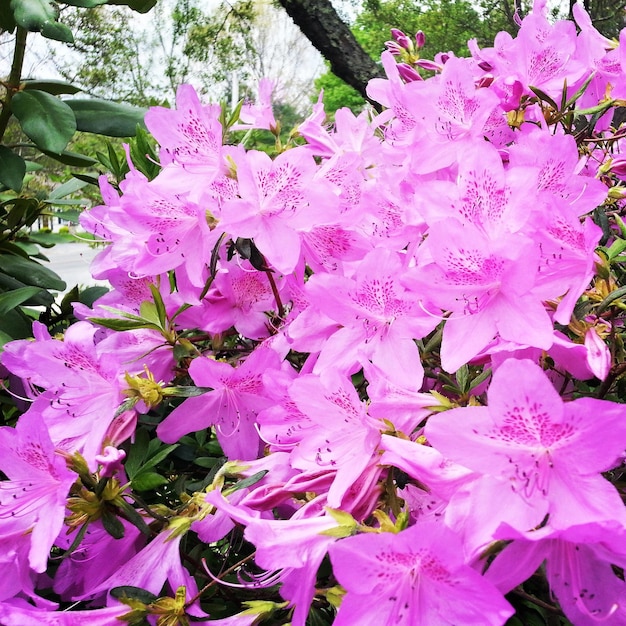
pixel 38 120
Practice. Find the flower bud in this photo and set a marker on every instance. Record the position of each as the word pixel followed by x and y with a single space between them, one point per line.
pixel 420 39
pixel 393 47
pixel 401 38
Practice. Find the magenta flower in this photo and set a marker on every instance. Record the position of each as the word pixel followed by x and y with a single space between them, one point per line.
pixel 487 285
pixel 379 320
pixel 237 396
pixel 278 199
pixel 538 455
pixel 415 577
pixel 33 499
pixel 342 439
pixel 579 567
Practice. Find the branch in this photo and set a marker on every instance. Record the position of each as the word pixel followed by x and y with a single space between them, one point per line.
pixel 13 84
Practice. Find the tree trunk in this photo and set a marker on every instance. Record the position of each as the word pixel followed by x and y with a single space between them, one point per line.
pixel 320 24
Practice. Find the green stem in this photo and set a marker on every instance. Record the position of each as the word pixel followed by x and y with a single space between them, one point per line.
pixel 15 77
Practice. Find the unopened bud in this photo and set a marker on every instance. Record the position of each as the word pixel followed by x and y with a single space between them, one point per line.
pixel 420 39
pixel 393 47
pixel 401 38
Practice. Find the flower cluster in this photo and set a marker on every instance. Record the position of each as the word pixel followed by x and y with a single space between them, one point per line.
pixel 396 345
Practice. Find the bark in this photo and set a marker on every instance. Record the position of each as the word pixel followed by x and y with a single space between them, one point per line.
pixel 320 24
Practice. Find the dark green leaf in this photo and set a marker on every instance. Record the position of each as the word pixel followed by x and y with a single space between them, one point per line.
pixel 134 593
pixel 92 180
pixel 159 456
pixel 7 21
pixel 612 297
pixel 11 299
pixel 85 4
pixel 144 481
pixel 141 6
pixel 91 294
pixel 248 250
pixel 54 87
pixel 206 461
pixel 71 158
pixel 106 118
pixel 48 121
pixel 247 482
pixel 542 95
pixel 121 324
pixel 30 272
pixel 41 298
pixel 188 391
pixel 112 525
pixel 137 453
pixel 17 325
pixel 12 169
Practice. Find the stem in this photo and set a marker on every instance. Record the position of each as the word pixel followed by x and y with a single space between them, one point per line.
pixel 279 303
pixel 210 584
pixel 544 605
pixel 13 84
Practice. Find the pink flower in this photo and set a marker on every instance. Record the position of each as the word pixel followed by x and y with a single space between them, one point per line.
pixel 538 455
pixel 379 320
pixel 33 499
pixel 277 200
pixel 578 564
pixel 415 577
pixel 236 398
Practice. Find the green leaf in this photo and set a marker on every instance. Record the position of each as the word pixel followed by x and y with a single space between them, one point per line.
pixel 71 186
pixel 144 481
pixel 206 461
pixel 41 298
pixel 11 299
pixel 92 180
pixel 141 6
pixel 106 118
pixel 71 158
pixel 159 456
pixel 85 4
pixel 137 453
pixel 16 325
pixel 148 311
pixel 48 121
pixel 7 21
pixel 247 482
pixel 30 272
pixel 612 297
pixel 121 324
pixel 33 14
pixel 12 169
pixel 57 31
pixel 112 525
pixel 134 593
pixel 542 95
pixel 54 87
pixel 159 304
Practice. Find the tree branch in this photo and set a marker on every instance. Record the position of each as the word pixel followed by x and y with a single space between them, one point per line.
pixel 322 26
